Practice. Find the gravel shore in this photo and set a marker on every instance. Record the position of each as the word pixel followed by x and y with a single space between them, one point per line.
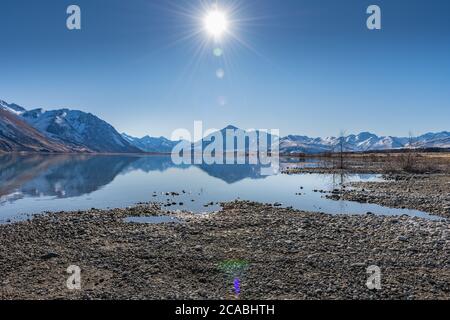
pixel 429 193
pixel 275 253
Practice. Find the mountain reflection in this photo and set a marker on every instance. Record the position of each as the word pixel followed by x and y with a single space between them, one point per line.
pixel 65 176
pixel 61 176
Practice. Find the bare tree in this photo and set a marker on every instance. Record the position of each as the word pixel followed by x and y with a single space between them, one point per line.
pixel 411 144
pixel 410 159
pixel 341 149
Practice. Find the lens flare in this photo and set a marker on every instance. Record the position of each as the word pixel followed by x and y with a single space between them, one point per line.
pixel 220 73
pixel 218 52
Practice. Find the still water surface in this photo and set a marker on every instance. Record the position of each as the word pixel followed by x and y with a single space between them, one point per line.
pixel 37 183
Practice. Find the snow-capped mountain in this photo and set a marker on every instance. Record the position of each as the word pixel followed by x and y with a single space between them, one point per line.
pixel 433 140
pixel 244 141
pixel 67 130
pixel 303 144
pixel 78 128
pixel 364 141
pixel 75 129
pixel 16 136
pixel 13 108
pixel 151 144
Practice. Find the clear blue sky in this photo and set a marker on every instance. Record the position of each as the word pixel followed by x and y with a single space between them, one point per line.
pixel 313 67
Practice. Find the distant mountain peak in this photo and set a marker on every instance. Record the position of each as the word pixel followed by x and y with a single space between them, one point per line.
pixel 13 108
pixel 366 135
pixel 151 144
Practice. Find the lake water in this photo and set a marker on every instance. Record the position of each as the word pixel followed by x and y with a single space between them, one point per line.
pixel 31 184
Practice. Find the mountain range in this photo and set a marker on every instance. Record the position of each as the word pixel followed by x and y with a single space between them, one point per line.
pixel 77 131
pixel 362 142
pixel 151 144
pixel 64 130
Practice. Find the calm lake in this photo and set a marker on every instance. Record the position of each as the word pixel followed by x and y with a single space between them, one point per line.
pixel 31 184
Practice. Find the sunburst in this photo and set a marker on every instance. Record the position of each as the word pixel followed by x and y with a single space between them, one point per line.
pixel 213 28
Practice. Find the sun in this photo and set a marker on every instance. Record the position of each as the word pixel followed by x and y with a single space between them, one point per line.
pixel 216 23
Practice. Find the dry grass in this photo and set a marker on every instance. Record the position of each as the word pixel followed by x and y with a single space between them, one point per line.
pixel 412 162
pixel 401 162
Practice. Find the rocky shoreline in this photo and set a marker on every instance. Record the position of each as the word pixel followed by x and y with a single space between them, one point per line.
pixel 277 253
pixel 429 193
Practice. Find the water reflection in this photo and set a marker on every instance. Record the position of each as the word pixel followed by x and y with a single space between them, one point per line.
pixel 65 176
pixel 38 183
pixel 60 176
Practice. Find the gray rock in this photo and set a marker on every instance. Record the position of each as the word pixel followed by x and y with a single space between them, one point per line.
pixel 50 255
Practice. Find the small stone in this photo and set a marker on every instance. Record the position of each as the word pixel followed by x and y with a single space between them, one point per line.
pixel 358 264
pixel 49 256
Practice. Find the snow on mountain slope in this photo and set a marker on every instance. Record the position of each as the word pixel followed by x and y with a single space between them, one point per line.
pixel 293 144
pixel 244 141
pixel 16 135
pixel 302 144
pixel 364 141
pixel 80 129
pixel 432 140
pixel 77 130
pixel 13 108
pixel 151 144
